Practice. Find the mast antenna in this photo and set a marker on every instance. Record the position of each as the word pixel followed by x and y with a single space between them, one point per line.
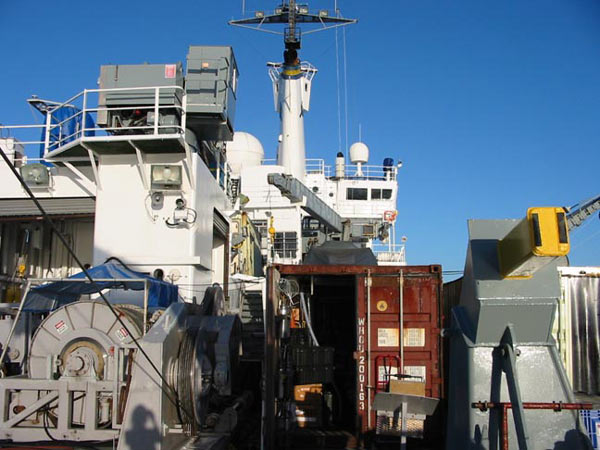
pixel 291 13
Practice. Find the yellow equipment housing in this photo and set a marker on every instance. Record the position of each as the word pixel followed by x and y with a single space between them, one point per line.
pixel 535 241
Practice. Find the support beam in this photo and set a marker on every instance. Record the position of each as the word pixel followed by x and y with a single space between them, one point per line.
pixel 141 165
pixel 94 165
pixel 30 409
pixel 297 192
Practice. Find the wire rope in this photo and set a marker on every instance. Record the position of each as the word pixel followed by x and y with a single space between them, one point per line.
pixel 337 74
pixel 172 396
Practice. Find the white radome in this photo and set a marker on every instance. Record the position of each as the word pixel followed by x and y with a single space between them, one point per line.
pixel 359 153
pixel 244 151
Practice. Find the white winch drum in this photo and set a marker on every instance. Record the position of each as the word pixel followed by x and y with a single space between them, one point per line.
pixel 81 336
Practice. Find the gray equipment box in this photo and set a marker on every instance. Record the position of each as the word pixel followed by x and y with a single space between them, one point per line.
pixel 140 75
pixel 135 76
pixel 210 86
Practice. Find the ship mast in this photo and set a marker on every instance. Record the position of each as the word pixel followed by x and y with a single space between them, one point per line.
pixel 292 79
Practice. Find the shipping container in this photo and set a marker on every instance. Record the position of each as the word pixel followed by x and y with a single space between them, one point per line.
pixel 372 324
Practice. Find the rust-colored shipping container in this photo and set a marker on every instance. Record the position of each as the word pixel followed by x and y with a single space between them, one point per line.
pixel 382 322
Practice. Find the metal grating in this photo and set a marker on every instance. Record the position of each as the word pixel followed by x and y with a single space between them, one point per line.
pixel 391 424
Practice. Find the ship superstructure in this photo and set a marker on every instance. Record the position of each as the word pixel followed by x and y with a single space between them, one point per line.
pixel 309 203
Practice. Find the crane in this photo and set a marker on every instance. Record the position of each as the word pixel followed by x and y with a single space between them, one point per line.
pixel 580 212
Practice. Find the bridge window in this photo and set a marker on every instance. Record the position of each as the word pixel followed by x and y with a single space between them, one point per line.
pixel 356 194
pixel 381 194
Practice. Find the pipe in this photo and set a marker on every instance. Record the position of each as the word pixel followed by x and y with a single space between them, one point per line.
pixel 12 329
pixel 369 349
pixel 401 338
pixel 505 406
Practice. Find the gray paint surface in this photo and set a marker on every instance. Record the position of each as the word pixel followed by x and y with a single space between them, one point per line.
pixel 488 305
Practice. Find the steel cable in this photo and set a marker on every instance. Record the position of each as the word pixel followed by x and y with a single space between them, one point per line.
pixel 172 396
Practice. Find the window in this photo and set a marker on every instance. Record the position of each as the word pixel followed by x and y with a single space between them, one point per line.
pixel 356 194
pixel 381 194
pixel 311 227
pixel 285 244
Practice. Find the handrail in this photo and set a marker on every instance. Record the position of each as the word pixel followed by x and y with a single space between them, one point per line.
pixel 81 115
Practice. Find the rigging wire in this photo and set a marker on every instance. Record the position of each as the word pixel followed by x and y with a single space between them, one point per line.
pixel 337 74
pixel 345 90
pixel 172 399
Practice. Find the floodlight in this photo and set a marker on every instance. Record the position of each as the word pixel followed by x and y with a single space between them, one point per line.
pixel 166 176
pixel 303 9
pixel 323 13
pixel 259 14
pixel 36 175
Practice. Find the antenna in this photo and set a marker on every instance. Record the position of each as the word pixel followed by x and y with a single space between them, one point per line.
pixel 291 14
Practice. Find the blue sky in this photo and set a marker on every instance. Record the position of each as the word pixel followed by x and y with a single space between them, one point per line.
pixel 493 106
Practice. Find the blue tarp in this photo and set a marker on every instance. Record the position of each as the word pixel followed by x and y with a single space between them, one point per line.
pixel 69 130
pixel 53 295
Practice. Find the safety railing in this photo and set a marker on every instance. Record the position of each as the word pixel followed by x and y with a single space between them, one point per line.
pixel 24 139
pixel 94 116
pixel 390 253
pixel 351 171
pixel 103 114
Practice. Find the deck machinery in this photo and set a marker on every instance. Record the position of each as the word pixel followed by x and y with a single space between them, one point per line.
pixel 503 358
pixel 156 375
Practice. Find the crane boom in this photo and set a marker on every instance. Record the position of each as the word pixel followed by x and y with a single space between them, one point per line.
pixel 578 213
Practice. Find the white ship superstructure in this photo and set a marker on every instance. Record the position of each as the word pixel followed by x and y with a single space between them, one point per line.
pixel 312 203
pixel 142 159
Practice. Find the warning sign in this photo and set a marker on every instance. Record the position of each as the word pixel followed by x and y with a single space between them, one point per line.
pixel 121 333
pixel 414 337
pixel 388 337
pixel 61 326
pixel 170 70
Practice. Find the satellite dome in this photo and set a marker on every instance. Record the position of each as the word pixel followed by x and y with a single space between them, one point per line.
pixel 359 153
pixel 243 151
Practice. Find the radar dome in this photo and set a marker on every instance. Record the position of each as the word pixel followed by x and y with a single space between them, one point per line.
pixel 359 153
pixel 243 151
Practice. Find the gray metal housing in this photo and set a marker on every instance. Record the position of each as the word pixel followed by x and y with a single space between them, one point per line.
pixel 140 75
pixel 496 315
pixel 210 87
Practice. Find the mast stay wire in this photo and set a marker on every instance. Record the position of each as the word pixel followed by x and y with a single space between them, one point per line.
pixel 339 108
pixel 60 236
pixel 345 89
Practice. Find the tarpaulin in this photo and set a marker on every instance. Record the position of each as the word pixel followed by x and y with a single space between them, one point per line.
pixel 53 295
pixel 340 252
pixel 69 119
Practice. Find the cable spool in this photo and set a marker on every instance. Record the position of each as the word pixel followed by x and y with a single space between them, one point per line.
pixel 192 379
pixel 80 339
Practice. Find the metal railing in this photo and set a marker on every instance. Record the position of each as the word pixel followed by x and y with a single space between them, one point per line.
pixel 78 119
pixel 87 107
pixel 390 253
pixel 351 171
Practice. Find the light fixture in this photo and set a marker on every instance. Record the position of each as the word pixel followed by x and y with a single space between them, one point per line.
pixel 36 175
pixel 259 14
pixel 278 11
pixel 323 13
pixel 166 177
pixel 303 9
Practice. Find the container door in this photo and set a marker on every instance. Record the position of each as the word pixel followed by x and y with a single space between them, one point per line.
pixel 399 321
